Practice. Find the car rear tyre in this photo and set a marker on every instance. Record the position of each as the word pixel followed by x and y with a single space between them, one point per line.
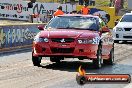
pixel 98 61
pixel 56 59
pixel 110 61
pixel 36 60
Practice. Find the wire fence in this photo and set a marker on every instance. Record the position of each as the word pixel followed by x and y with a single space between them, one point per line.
pixel 98 2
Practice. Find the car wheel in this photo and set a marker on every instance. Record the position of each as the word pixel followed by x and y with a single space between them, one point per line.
pixel 125 41
pixel 110 61
pixel 98 61
pixel 116 41
pixel 56 59
pixel 36 60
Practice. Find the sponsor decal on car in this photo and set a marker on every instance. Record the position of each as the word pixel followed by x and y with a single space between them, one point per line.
pixel 96 40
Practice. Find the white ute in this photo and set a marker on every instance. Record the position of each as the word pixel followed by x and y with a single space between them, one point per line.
pixel 123 30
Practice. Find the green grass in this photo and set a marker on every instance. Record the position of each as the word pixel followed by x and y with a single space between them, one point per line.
pixel 102 2
pixel 107 2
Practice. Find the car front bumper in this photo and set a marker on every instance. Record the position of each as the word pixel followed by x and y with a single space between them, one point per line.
pixel 65 49
pixel 127 35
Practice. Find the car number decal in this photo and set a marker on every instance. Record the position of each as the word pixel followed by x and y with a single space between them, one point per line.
pixel 96 40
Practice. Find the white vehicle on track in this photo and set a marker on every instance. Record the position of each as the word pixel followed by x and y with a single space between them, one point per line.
pixel 123 30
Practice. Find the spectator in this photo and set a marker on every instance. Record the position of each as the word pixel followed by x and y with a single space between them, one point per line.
pixel 92 2
pixel 86 2
pixel 85 10
pixel 122 4
pixel 111 3
pixel 58 11
pixel 117 6
pixel 81 2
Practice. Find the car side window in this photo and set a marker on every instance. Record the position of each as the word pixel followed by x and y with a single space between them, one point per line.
pixel 102 23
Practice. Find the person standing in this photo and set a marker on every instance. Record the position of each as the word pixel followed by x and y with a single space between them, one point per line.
pixel 122 4
pixel 92 2
pixel 81 2
pixel 86 2
pixel 111 3
pixel 85 10
pixel 58 11
pixel 117 6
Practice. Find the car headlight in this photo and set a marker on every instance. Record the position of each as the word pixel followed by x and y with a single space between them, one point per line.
pixel 119 29
pixel 95 40
pixel 85 41
pixel 37 39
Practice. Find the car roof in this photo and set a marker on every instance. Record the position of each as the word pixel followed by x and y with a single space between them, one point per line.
pixel 79 15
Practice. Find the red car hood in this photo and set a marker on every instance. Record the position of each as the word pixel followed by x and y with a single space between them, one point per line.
pixel 64 33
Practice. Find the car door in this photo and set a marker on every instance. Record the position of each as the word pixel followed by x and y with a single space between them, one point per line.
pixel 106 38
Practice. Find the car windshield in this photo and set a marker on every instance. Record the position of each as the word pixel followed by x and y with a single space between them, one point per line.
pixel 126 18
pixel 74 22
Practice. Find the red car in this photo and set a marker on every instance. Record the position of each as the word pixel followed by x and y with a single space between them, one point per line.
pixel 77 36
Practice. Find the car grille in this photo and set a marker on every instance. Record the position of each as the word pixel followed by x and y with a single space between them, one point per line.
pixel 63 40
pixel 62 50
pixel 127 29
pixel 127 36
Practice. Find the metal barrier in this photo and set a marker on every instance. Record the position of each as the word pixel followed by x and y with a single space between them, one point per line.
pixel 17 36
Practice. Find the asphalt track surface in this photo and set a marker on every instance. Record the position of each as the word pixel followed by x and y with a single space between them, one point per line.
pixel 17 71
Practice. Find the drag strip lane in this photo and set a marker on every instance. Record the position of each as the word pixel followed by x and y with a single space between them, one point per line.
pixel 17 71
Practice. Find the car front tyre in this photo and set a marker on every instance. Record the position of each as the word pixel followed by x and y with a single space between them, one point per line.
pixel 116 41
pixel 98 61
pixel 125 41
pixel 36 60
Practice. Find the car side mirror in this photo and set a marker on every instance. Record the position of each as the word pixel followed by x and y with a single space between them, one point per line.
pixel 105 29
pixel 41 27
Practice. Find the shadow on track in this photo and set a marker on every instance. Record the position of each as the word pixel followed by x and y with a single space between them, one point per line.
pixel 72 66
pixel 88 67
